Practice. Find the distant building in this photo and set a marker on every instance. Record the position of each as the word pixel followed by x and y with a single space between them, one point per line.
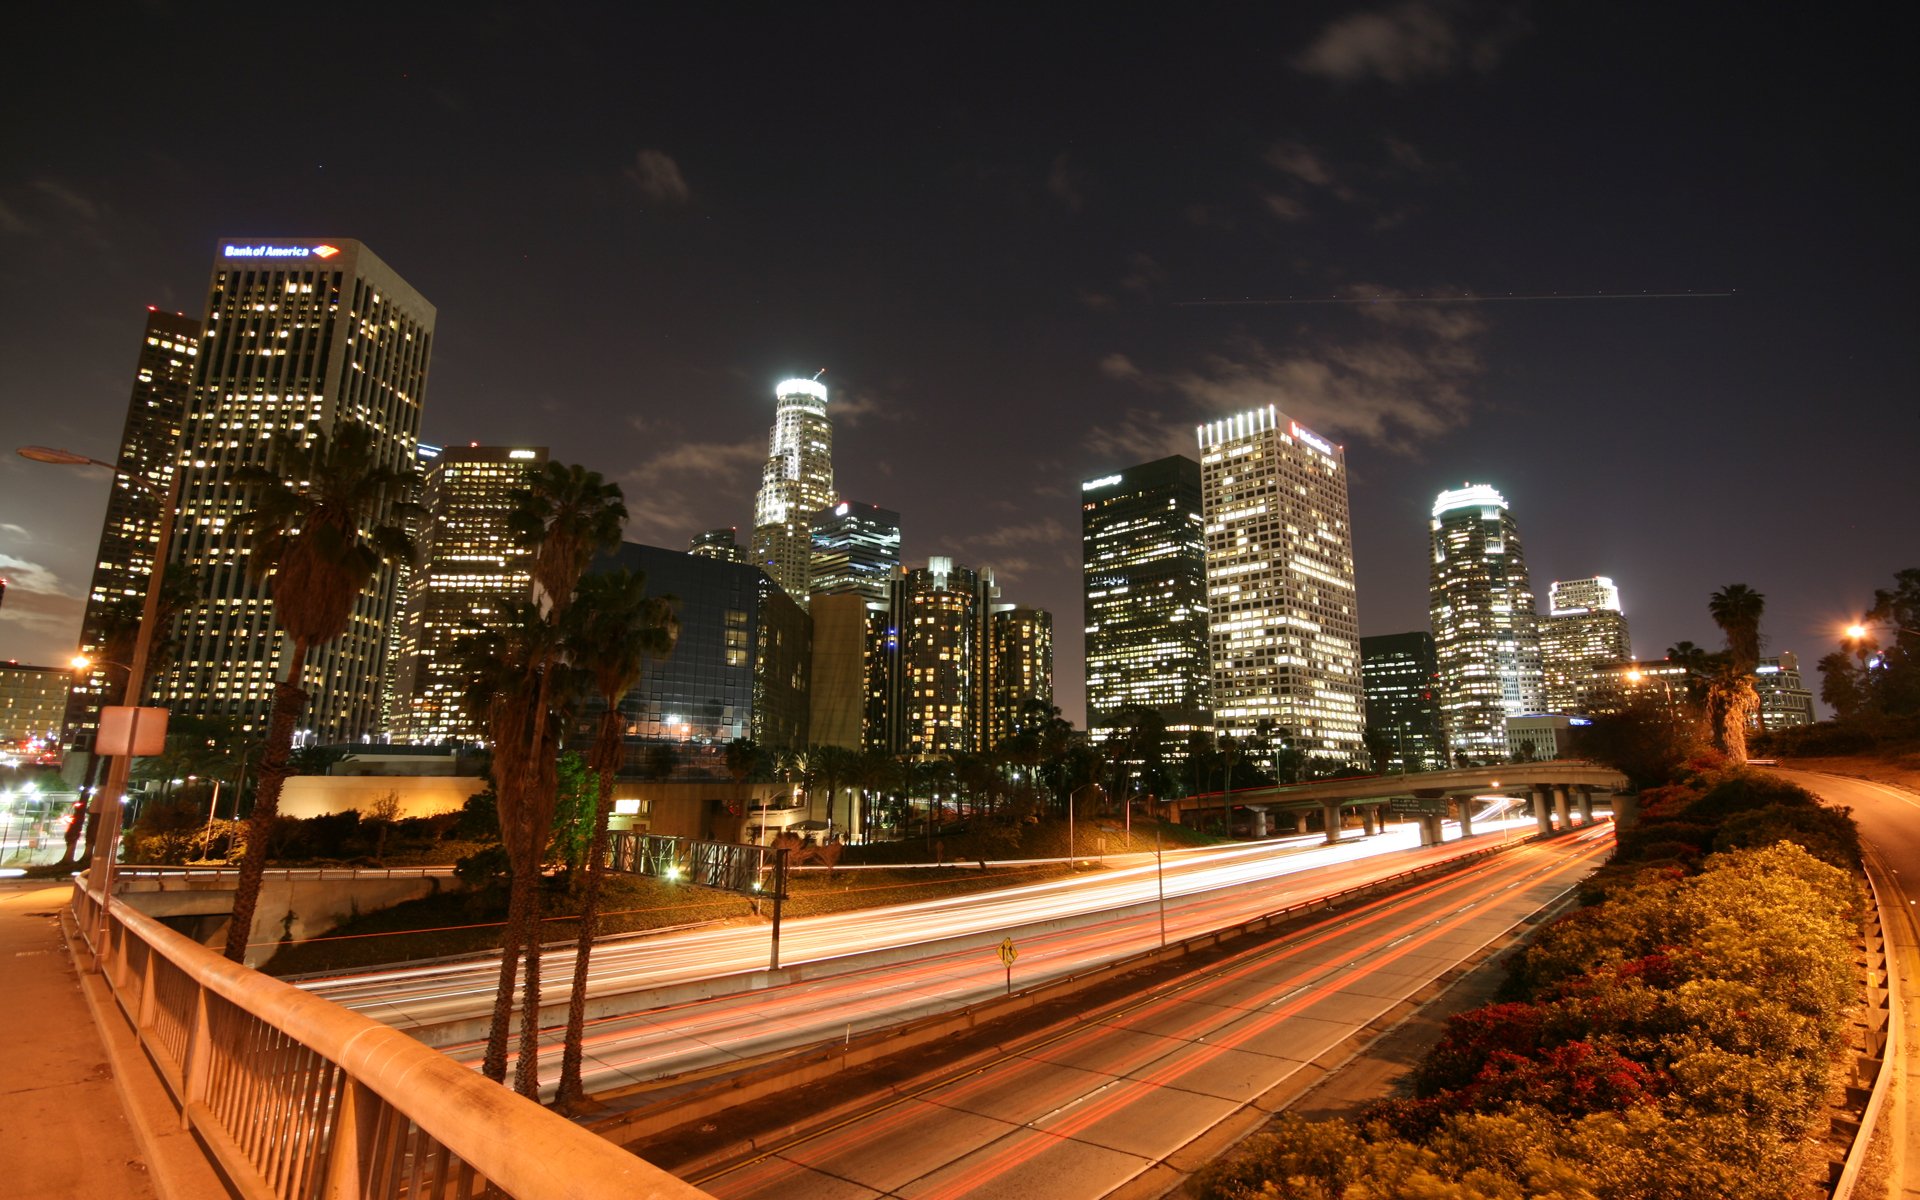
pixel 162 385
pixel 844 649
pixel 796 483
pixel 1541 737
pixel 856 548
pixel 33 704
pixel 721 545
pixel 468 564
pixel 1403 705
pixel 739 670
pixel 1660 683
pixel 942 652
pixel 299 334
pixel 1020 669
pixel 1584 630
pixel 1784 700
pixel 1143 563
pixel 1485 631
pixel 1283 622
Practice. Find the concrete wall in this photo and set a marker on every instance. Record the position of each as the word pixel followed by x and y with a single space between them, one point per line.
pixel 290 909
pixel 420 796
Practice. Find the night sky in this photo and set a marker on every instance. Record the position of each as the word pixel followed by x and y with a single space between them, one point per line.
pixel 990 227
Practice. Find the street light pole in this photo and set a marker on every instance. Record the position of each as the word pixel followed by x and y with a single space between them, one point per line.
pixel 106 841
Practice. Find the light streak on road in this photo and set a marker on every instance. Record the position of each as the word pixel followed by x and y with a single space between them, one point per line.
pixel 1081 1112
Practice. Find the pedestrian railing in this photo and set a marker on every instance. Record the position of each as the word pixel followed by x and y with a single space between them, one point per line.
pixel 296 1098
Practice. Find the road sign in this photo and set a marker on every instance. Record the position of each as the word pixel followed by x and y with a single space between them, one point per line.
pixel 1422 805
pixel 1008 951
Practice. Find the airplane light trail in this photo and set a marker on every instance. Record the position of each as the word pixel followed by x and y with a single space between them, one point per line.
pixel 1465 298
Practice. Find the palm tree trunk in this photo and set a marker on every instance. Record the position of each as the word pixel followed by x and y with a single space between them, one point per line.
pixel 494 1065
pixel 526 1070
pixel 571 1090
pixel 289 701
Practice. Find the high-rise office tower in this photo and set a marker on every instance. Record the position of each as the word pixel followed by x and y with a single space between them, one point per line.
pixel 1403 707
pixel 1584 630
pixel 468 563
pixel 1143 562
pixel 855 549
pixel 1020 669
pixel 942 652
pixel 1485 632
pixel 1283 622
pixel 1784 700
pixel 796 483
pixel 300 334
pixel 720 545
pixel 162 384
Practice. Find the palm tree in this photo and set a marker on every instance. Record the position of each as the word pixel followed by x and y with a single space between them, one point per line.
pixel 834 767
pixel 1736 609
pixel 564 517
pixel 1731 698
pixel 614 629
pixel 326 513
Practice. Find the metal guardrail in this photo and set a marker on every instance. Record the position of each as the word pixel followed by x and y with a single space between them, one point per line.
pixel 1884 1062
pixel 296 1098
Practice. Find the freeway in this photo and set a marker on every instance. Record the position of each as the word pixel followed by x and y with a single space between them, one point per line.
pixel 925 957
pixel 1102 1104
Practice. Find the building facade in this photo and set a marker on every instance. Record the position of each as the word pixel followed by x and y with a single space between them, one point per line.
pixel 856 548
pixel 1785 701
pixel 33 706
pixel 300 335
pixel 740 668
pixel 1020 674
pixel 1485 631
pixel 162 384
pixel 1282 614
pixel 796 483
pixel 940 649
pixel 721 545
pixel 1403 707
pixel 1583 631
pixel 468 564
pixel 1143 564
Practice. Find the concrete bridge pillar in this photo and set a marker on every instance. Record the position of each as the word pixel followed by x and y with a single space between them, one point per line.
pixel 1466 815
pixel 1368 821
pixel 1300 822
pixel 1330 816
pixel 1430 834
pixel 1380 814
pixel 1626 810
pixel 1560 806
pixel 1259 812
pixel 1584 795
pixel 1542 815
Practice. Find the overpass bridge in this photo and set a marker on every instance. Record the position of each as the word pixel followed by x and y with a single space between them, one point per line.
pixel 1557 789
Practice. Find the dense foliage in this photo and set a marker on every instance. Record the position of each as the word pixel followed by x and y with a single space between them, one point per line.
pixel 1671 1038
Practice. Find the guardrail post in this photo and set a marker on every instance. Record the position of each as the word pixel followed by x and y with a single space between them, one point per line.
pixel 149 1000
pixel 197 1064
pixel 351 1147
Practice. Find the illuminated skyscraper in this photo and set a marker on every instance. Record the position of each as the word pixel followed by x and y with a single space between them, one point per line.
pixel 855 549
pixel 468 564
pixel 1143 562
pixel 1485 631
pixel 1020 669
pixel 1283 622
pixel 796 483
pixel 720 545
pixel 1584 630
pixel 1403 710
pixel 941 658
pixel 300 334
pixel 1784 700
pixel 162 383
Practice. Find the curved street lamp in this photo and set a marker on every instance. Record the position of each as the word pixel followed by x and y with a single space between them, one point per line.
pixel 107 840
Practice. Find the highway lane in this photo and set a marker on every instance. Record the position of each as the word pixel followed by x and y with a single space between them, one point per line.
pixel 1085 1111
pixel 1889 821
pixel 1239 882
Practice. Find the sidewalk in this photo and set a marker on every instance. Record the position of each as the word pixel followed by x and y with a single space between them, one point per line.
pixel 63 1132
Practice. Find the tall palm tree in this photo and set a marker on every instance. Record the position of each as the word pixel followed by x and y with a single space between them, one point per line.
pixel 326 513
pixel 1731 698
pixel 1737 609
pixel 564 516
pixel 614 628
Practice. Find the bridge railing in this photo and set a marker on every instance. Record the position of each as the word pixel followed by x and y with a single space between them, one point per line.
pixel 296 1098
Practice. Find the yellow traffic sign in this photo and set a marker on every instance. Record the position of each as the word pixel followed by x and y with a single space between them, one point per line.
pixel 1008 951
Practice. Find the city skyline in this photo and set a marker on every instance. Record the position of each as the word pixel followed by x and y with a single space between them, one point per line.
pixel 1010 304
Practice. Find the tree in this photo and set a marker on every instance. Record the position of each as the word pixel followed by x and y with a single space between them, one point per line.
pixel 1736 609
pixel 326 514
pixel 1731 699
pixel 614 629
pixel 524 690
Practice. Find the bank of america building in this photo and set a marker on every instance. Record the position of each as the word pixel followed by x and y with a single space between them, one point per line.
pixel 299 334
